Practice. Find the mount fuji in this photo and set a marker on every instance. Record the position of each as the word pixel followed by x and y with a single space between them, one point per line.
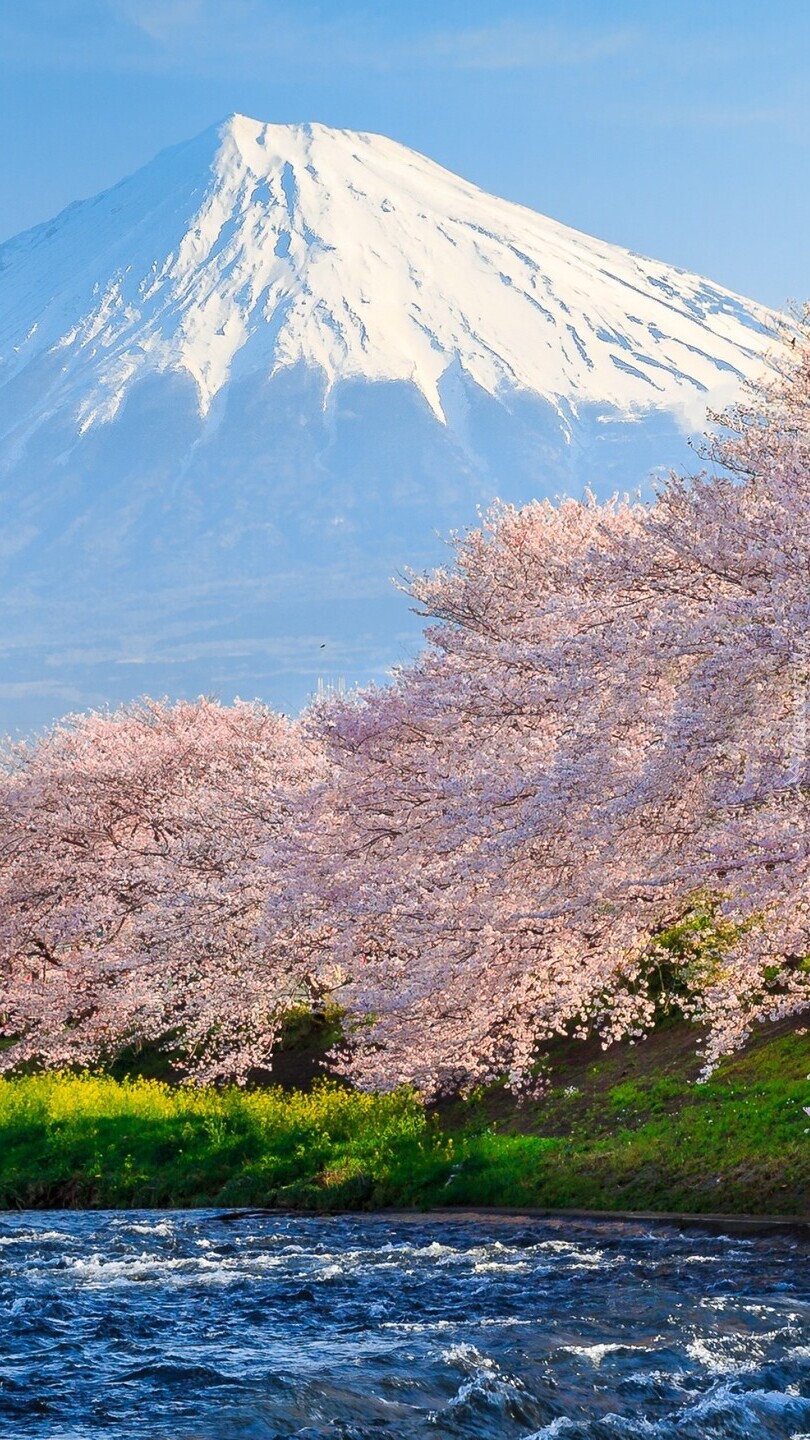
pixel 250 383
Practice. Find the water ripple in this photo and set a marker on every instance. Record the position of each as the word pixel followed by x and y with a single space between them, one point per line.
pixel 199 1326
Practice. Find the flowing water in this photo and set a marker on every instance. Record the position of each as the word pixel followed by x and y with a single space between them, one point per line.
pixel 200 1326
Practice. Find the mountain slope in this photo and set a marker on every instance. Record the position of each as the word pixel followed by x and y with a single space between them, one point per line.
pixel 246 384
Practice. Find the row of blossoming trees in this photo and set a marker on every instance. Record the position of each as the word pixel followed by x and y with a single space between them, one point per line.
pixel 586 800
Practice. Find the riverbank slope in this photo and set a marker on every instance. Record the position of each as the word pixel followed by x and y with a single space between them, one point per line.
pixel 627 1129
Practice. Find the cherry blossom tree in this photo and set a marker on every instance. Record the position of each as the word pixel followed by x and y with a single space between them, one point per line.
pixel 602 747
pixel 131 883
pixel 585 802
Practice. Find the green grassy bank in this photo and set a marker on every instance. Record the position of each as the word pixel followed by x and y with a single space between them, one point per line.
pixel 629 1129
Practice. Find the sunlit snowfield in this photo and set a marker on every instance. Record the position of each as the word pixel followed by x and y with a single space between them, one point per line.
pixel 193 1325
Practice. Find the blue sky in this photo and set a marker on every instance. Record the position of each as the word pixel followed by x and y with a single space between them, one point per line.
pixel 680 129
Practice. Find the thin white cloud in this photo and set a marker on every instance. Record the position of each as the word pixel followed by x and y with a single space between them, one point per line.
pixel 510 46
pixel 243 39
pixel 37 690
pixel 781 114
pixel 160 19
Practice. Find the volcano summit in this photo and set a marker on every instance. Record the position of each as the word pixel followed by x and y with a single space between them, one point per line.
pixel 245 386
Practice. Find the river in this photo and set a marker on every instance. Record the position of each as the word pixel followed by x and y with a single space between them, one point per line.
pixel 196 1325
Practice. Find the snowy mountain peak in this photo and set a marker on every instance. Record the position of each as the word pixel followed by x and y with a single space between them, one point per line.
pixel 255 247
pixel 252 381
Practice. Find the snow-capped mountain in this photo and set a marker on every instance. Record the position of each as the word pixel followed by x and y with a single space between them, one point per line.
pixel 243 387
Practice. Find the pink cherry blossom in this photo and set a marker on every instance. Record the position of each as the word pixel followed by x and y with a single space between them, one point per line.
pixel 606 734
pixel 131 882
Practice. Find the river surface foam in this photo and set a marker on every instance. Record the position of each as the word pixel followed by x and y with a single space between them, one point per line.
pixel 196 1325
